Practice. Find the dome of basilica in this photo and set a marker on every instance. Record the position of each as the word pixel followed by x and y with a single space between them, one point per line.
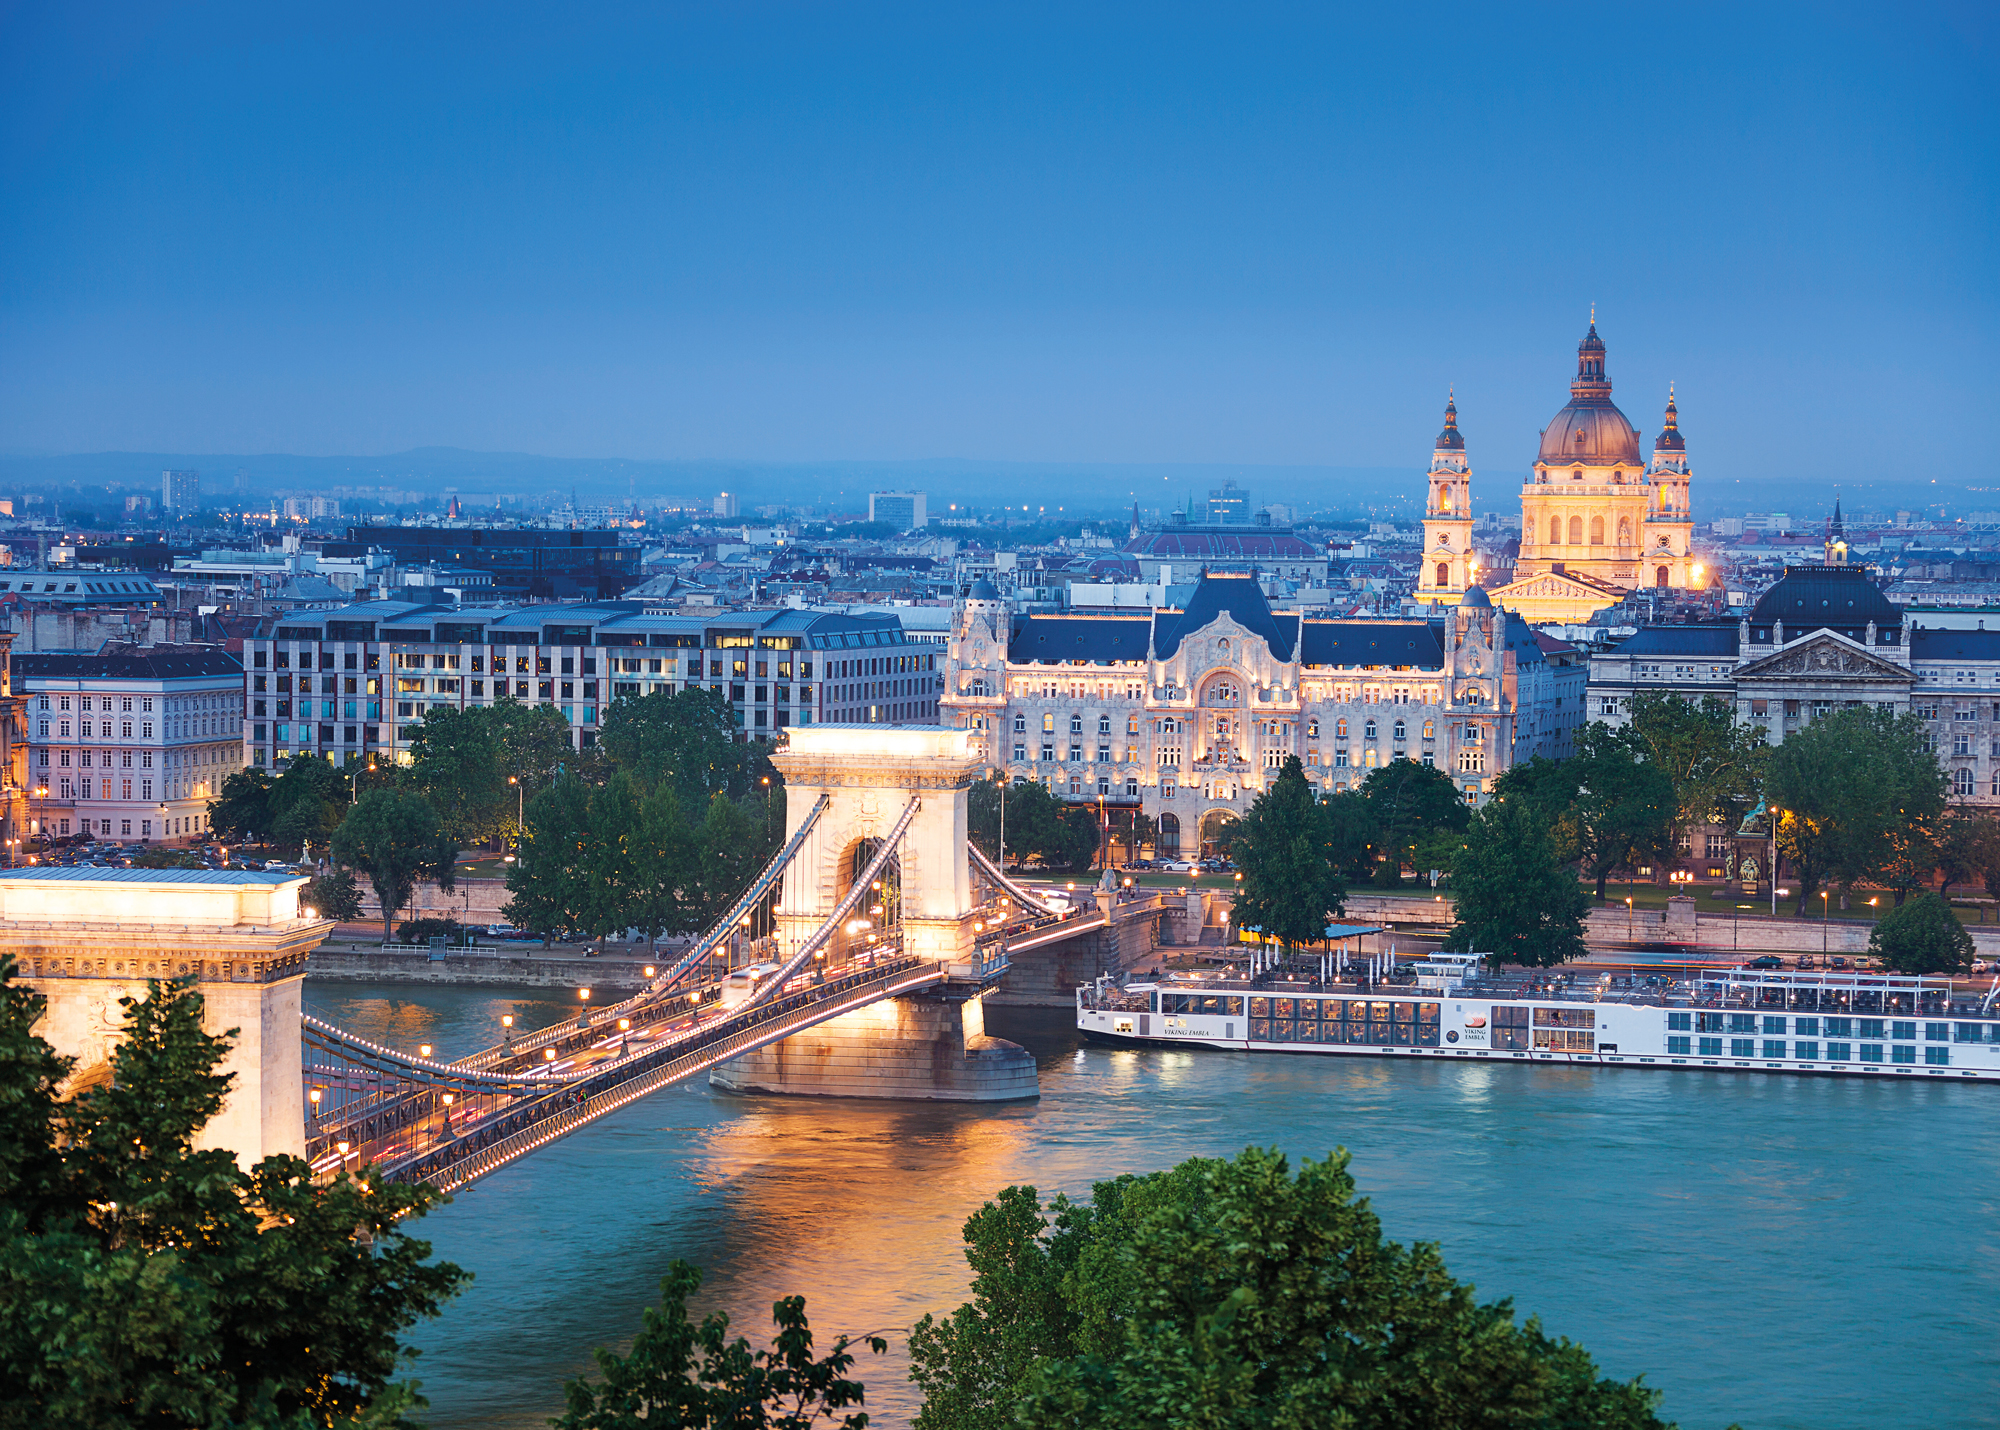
pixel 1590 430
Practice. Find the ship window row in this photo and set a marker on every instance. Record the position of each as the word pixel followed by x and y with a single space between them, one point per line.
pixel 1309 1030
pixel 1352 1010
pixel 1804 1051
pixel 1772 1024
pixel 1203 1003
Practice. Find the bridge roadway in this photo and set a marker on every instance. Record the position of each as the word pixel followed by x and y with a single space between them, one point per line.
pixel 451 1123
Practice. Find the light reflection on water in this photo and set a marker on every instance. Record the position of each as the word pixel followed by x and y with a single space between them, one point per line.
pixel 1783 1252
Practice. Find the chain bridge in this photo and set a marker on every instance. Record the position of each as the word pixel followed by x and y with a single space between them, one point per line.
pixel 887 929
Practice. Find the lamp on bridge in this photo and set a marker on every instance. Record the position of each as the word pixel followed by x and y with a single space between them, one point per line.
pixel 507 1027
pixel 423 1050
pixel 313 1098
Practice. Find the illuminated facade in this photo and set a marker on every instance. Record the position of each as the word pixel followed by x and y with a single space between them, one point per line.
pixel 1188 714
pixel 1596 520
pixel 1449 564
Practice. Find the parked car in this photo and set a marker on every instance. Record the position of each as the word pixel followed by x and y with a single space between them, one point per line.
pixel 1768 960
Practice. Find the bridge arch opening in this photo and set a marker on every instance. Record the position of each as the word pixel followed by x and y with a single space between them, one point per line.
pixel 879 913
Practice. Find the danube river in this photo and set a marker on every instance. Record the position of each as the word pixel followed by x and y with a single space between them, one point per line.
pixel 1783 1252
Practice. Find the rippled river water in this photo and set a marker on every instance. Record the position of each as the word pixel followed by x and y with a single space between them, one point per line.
pixel 1785 1252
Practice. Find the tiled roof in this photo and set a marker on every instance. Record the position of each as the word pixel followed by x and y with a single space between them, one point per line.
pixel 1238 597
pixel 1054 640
pixel 1717 639
pixel 1417 643
pixel 136 665
pixel 1935 645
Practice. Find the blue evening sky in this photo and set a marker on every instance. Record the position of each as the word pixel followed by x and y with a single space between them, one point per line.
pixel 1155 233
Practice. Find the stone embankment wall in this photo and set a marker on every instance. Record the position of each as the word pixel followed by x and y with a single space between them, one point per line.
pixel 614 977
pixel 1682 924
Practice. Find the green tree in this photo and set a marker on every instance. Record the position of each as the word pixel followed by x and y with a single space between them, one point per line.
pixel 732 851
pixel 1406 802
pixel 1910 855
pixel 1922 935
pixel 1714 764
pixel 243 809
pixel 974 1366
pixel 549 883
pixel 665 887
pixel 1351 833
pixel 1232 1294
pixel 535 744
pixel 1291 887
pixel 693 1377
pixel 333 896
pixel 1842 784
pixel 1040 827
pixel 1622 812
pixel 456 764
pixel 148 1283
pixel 1513 897
pixel 1962 847
pixel 689 739
pixel 394 837
pixel 307 802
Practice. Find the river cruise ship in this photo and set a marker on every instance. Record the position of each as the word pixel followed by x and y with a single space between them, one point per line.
pixel 1739 1020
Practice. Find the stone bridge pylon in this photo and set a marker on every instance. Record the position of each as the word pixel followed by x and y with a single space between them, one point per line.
pixel 931 1045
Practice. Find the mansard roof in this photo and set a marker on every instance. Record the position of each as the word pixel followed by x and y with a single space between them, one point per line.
pixel 1235 595
pixel 1710 639
pixel 1057 640
pixel 1417 643
pixel 1925 644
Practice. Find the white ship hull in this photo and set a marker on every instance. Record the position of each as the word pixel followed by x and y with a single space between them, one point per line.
pixel 1839 1026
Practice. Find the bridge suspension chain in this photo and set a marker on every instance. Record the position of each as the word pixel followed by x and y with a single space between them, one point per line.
pixel 856 892
pixel 994 872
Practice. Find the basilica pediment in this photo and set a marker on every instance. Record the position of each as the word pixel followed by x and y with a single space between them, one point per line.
pixel 1556 585
pixel 1818 657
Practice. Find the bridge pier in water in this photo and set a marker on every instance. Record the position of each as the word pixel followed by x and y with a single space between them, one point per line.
pixel 85 938
pixel 929 1048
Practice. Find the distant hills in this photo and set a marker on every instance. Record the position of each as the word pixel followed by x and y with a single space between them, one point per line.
pixel 1082 488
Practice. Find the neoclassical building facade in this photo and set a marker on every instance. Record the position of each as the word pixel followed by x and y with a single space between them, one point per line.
pixel 1187 714
pixel 1596 519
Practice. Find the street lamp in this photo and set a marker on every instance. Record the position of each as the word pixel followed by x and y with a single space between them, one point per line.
pixel 1822 923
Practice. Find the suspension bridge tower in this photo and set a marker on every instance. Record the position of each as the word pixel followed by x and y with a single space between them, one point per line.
pixel 86 938
pixel 904 786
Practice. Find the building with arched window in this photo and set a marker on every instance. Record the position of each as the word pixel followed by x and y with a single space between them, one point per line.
pixel 1195 710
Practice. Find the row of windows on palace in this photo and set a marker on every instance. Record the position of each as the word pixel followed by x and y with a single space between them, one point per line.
pixel 978 688
pixel 1171 756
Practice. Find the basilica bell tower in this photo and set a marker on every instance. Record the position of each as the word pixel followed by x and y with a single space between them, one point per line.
pixel 1448 565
